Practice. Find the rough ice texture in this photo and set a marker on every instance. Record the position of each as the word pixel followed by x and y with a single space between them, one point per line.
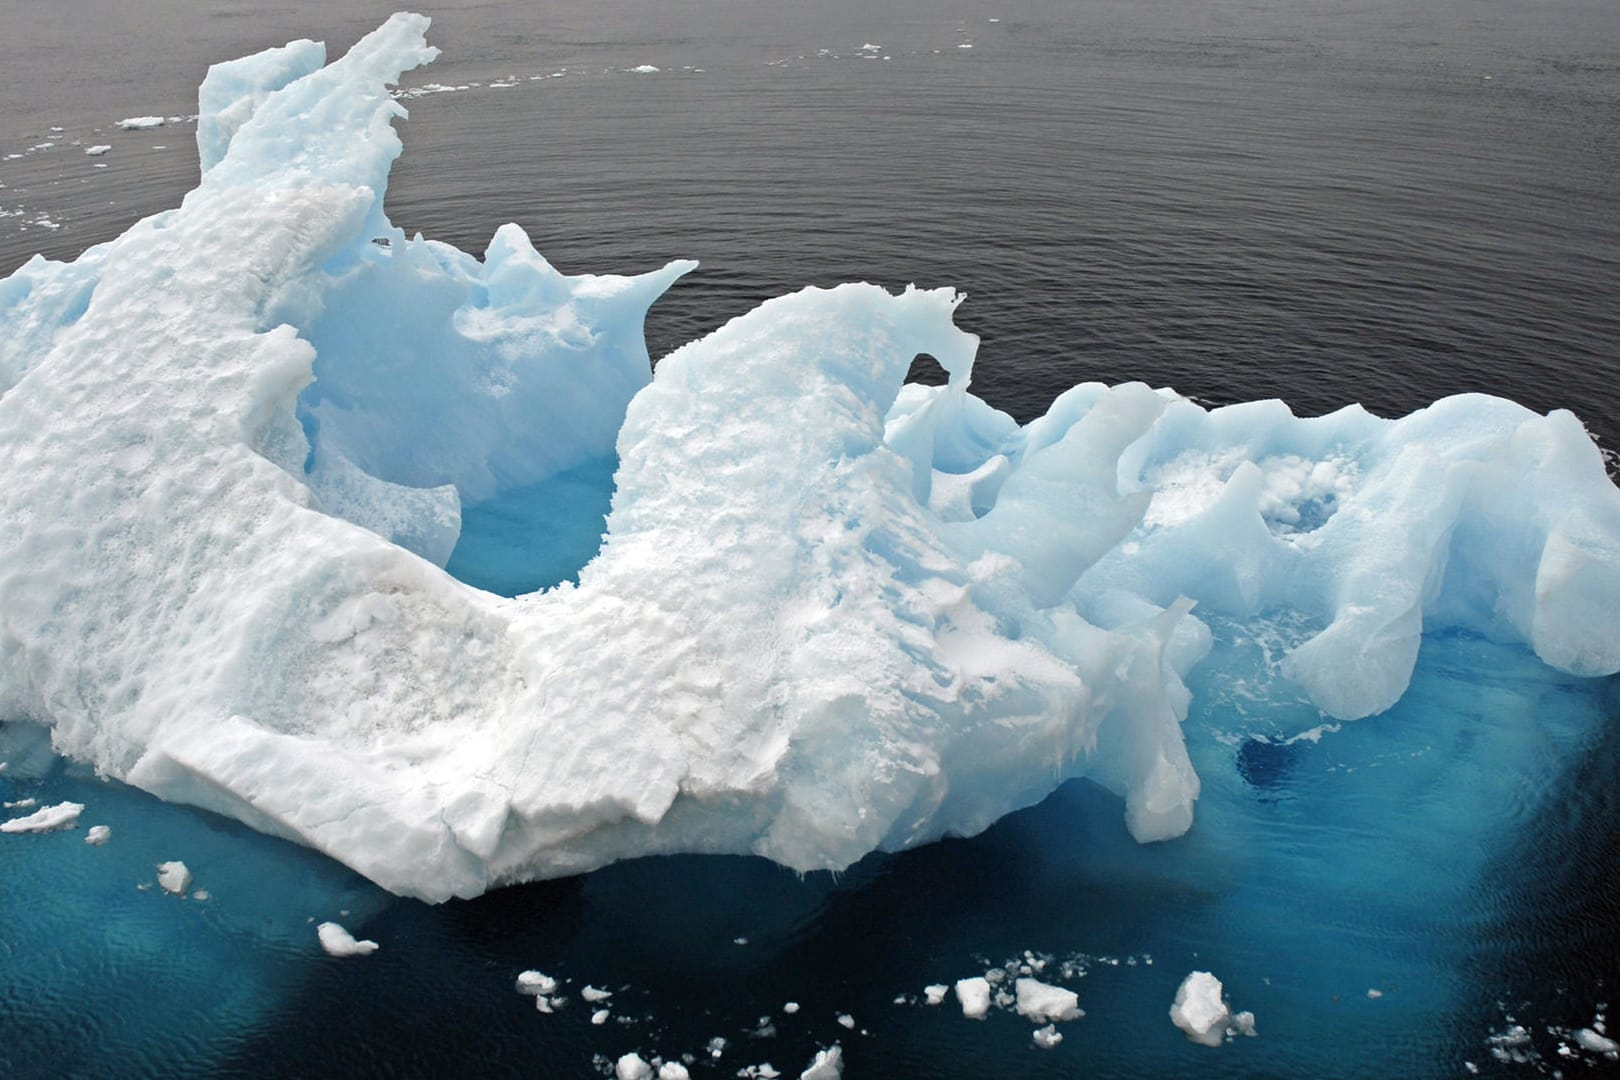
pixel 339 942
pixel 98 835
pixel 243 433
pixel 828 1064
pixel 1041 1002
pixel 46 819
pixel 974 995
pixel 174 877
pixel 1199 1009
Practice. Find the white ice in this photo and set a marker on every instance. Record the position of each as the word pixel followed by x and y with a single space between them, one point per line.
pixel 251 424
pixel 97 150
pixel 974 995
pixel 141 123
pixel 535 983
pixel 97 835
pixel 632 1066
pixel 1203 1014
pixel 174 877
pixel 827 1065
pixel 339 942
pixel 63 815
pixel 1042 1002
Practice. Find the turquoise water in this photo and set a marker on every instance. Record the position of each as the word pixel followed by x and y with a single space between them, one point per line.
pixel 537 536
pixel 1446 855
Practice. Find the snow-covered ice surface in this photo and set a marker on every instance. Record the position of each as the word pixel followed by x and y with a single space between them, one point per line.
pixel 897 618
pixel 869 665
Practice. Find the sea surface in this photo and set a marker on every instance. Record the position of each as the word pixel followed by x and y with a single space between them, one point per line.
pixel 1326 201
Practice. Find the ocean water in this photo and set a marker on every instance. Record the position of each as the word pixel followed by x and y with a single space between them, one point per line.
pixel 1327 202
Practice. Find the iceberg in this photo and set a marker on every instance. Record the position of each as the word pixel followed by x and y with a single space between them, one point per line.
pixel 830 613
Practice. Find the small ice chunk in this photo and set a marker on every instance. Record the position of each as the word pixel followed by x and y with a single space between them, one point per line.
pixel 673 1070
pixel 1374 993
pixel 22 804
pixel 828 1065
pixel 1040 1001
pixel 645 69
pixel 869 47
pixel 536 983
pixel 935 993
pixel 1596 1043
pixel 767 1071
pixel 98 835
pixel 593 995
pixel 97 150
pixel 974 994
pixel 338 941
pixel 141 123
pixel 1243 1024
pixel 200 894
pixel 632 1067
pixel 63 815
pixel 175 877
pixel 847 1020
pixel 600 1017
pixel 717 1046
pixel 791 1007
pixel 1047 1037
pixel 1198 1009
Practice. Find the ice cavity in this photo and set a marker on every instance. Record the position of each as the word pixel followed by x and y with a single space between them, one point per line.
pixel 831 614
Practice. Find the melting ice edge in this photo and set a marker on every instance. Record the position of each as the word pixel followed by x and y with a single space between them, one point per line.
pixel 831 614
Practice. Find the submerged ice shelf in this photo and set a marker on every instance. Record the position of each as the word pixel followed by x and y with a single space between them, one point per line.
pixel 831 614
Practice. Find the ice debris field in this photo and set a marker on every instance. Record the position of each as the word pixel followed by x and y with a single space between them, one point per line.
pixel 265 448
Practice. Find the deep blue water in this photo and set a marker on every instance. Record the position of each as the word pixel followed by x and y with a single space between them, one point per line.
pixel 1326 202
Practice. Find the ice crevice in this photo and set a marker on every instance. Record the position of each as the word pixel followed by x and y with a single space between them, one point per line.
pixel 830 612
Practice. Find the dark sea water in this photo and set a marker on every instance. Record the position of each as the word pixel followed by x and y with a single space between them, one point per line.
pixel 1326 201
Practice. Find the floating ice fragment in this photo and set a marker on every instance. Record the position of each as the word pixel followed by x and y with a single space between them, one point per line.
pixel 935 993
pixel 847 1020
pixel 673 1070
pixel 767 1071
pixel 1374 993
pixel 22 804
pixel 1598 1044
pixel 600 1016
pixel 974 994
pixel 593 995
pixel 174 877
pixel 1042 1002
pixel 534 982
pixel 97 150
pixel 98 835
pixel 1030 605
pixel 339 942
pixel 791 1007
pixel 1198 1009
pixel 1047 1037
pixel 63 815
pixel 141 123
pixel 828 1065
pixel 632 1067
pixel 645 69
